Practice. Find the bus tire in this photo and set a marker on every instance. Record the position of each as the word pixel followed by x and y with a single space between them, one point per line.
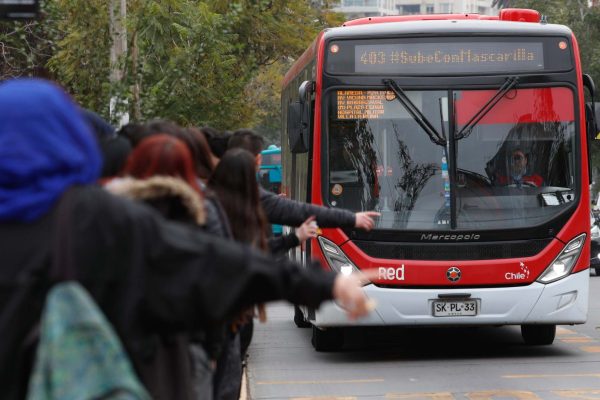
pixel 330 339
pixel 538 335
pixel 597 270
pixel 299 319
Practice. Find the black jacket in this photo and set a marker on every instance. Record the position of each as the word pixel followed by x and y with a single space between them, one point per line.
pixel 147 275
pixel 167 370
pixel 283 211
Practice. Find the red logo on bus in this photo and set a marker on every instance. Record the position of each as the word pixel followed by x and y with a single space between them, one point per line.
pixel 453 274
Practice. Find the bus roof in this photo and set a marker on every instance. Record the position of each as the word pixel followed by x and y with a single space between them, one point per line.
pixel 444 27
pixel 507 14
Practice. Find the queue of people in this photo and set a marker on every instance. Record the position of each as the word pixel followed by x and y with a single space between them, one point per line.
pixel 164 226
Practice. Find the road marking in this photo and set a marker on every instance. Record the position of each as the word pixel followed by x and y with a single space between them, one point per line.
pixel 417 396
pixel 532 376
pixel 591 349
pixel 560 331
pixel 325 382
pixel 577 339
pixel 585 394
pixel 324 398
pixel 578 394
pixel 490 394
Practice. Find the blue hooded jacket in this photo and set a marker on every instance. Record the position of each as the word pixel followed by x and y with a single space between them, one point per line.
pixel 45 147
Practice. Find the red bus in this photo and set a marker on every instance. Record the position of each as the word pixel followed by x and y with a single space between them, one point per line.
pixel 468 134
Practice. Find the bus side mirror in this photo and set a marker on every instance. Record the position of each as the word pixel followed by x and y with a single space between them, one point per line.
pixel 297 140
pixel 591 111
pixel 299 118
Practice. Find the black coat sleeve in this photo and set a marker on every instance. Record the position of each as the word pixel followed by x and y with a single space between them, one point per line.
pixel 192 276
pixel 283 211
pixel 170 276
pixel 281 244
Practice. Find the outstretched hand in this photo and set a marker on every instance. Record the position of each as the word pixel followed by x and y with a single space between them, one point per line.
pixel 364 220
pixel 349 294
pixel 307 230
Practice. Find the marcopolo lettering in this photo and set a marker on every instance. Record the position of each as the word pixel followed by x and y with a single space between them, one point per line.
pixel 450 237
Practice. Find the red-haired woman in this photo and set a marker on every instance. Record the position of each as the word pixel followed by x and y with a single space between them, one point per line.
pixel 160 172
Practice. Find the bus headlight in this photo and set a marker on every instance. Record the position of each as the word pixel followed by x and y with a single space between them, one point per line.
pixel 564 262
pixel 336 258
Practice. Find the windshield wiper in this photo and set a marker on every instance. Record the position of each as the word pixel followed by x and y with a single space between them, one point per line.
pixel 417 115
pixel 510 83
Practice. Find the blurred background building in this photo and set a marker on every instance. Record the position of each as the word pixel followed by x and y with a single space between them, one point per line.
pixel 371 8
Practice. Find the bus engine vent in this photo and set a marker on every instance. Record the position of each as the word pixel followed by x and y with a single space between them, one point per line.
pixel 458 251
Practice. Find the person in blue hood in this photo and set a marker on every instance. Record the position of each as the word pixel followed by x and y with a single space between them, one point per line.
pixel 45 147
pixel 149 276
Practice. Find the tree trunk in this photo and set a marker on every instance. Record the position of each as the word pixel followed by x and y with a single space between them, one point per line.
pixel 118 54
pixel 137 106
pixel 118 33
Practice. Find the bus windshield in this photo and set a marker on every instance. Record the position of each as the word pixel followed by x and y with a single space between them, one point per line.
pixel 514 168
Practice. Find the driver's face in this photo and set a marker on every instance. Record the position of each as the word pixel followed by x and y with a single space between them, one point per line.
pixel 518 162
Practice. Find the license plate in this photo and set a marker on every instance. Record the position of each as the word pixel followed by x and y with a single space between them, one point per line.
pixel 454 308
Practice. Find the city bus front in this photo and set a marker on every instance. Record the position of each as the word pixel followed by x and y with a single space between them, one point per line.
pixel 471 146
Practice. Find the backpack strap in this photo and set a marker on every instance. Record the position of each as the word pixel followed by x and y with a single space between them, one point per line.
pixel 63 263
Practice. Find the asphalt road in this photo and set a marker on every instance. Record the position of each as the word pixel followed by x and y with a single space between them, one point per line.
pixel 433 363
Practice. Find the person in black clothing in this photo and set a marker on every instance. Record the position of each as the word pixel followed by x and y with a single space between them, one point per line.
pixel 234 182
pixel 114 148
pixel 218 141
pixel 160 172
pixel 148 275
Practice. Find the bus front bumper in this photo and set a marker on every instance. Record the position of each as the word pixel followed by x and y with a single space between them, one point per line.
pixel 561 302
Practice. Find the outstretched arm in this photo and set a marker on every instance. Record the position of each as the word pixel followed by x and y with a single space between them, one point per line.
pixel 283 211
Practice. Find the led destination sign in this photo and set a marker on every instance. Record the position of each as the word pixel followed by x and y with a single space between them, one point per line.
pixel 436 58
pixel 445 55
pixel 368 104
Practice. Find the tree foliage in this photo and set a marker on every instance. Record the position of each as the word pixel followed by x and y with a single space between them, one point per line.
pixel 583 20
pixel 264 90
pixel 195 62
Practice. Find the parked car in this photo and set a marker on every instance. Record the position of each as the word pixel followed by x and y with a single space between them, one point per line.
pixel 595 248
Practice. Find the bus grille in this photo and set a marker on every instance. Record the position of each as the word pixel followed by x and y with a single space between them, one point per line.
pixel 454 251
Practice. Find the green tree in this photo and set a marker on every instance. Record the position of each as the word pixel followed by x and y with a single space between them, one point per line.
pixel 264 91
pixel 501 3
pixel 81 60
pixel 296 28
pixel 583 20
pixel 195 62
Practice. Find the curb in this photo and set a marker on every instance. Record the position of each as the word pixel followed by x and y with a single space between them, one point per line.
pixel 245 389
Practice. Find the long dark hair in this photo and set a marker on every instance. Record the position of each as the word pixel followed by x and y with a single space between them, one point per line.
pixel 234 182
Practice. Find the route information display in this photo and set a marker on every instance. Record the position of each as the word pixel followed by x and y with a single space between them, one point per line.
pixel 430 58
pixel 370 104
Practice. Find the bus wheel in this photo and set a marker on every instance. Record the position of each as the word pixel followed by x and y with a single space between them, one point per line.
pixel 299 319
pixel 330 339
pixel 597 269
pixel 537 335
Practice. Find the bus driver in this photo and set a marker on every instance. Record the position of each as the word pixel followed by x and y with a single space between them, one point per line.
pixel 518 173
